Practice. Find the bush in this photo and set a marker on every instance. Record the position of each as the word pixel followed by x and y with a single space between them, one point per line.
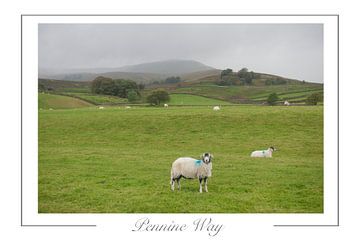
pixel 314 98
pixel 272 99
pixel 157 97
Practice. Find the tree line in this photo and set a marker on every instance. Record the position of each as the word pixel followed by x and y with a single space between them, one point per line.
pixel 245 77
pixel 117 87
pixel 242 77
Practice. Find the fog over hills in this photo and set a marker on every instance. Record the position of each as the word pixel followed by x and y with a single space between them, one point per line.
pixel 143 72
pixel 168 67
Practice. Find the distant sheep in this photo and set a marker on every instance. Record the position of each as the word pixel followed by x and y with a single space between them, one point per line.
pixel 101 107
pixel 263 153
pixel 286 103
pixel 216 108
pixel 127 107
pixel 188 167
pixel 51 109
pixel 165 105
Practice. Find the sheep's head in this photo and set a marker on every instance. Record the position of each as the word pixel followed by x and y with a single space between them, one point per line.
pixel 207 157
pixel 272 149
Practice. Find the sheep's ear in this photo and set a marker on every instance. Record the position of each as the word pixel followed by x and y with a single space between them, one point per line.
pixel 202 156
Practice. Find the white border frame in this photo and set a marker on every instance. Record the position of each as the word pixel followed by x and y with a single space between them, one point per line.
pixel 124 222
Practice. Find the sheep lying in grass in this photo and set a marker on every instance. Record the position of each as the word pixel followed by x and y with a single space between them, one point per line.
pixel 188 167
pixel 263 153
pixel 101 107
pixel 127 107
pixel 216 108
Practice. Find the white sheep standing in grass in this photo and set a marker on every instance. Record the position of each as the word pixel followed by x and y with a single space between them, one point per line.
pixel 216 108
pixel 127 107
pixel 286 103
pixel 263 153
pixel 166 105
pixel 188 167
pixel 101 107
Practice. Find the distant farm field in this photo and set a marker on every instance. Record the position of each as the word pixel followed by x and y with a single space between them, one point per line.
pixel 188 99
pixel 118 160
pixel 292 92
pixel 47 101
pixel 97 98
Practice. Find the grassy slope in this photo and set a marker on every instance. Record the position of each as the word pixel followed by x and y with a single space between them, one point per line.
pixel 118 160
pixel 238 93
pixel 97 98
pixel 46 101
pixel 187 99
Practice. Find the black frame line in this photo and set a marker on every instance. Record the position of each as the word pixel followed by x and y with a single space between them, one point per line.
pixel 185 15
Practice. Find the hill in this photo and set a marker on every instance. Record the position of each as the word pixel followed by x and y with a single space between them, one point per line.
pixel 141 73
pixel 138 77
pixel 168 67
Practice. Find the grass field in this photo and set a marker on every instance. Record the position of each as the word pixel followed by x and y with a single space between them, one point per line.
pixel 239 93
pixel 187 99
pixel 97 98
pixel 47 101
pixel 118 160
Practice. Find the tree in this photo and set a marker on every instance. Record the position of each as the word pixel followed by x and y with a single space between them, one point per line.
pixel 249 76
pixel 132 96
pixel 272 99
pixel 245 76
pixel 226 72
pixel 122 87
pixel 314 98
pixel 158 96
pixel 102 85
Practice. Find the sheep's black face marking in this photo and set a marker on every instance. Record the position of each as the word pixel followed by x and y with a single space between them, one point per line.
pixel 206 157
pixel 272 148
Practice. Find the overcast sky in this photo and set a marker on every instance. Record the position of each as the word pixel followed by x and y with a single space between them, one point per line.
pixel 290 50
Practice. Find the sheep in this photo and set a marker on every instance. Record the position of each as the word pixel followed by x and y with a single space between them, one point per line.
pixel 188 167
pixel 165 105
pixel 263 153
pixel 50 109
pixel 127 107
pixel 101 107
pixel 216 108
pixel 286 103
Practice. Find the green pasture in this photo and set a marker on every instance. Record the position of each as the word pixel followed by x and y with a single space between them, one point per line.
pixel 47 101
pixel 235 93
pixel 188 99
pixel 97 98
pixel 118 160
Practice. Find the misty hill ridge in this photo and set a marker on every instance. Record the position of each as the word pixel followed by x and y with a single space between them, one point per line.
pixel 144 72
pixel 168 67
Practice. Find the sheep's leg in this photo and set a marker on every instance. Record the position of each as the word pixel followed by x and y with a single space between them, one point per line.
pixel 178 182
pixel 200 180
pixel 172 184
pixel 206 180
